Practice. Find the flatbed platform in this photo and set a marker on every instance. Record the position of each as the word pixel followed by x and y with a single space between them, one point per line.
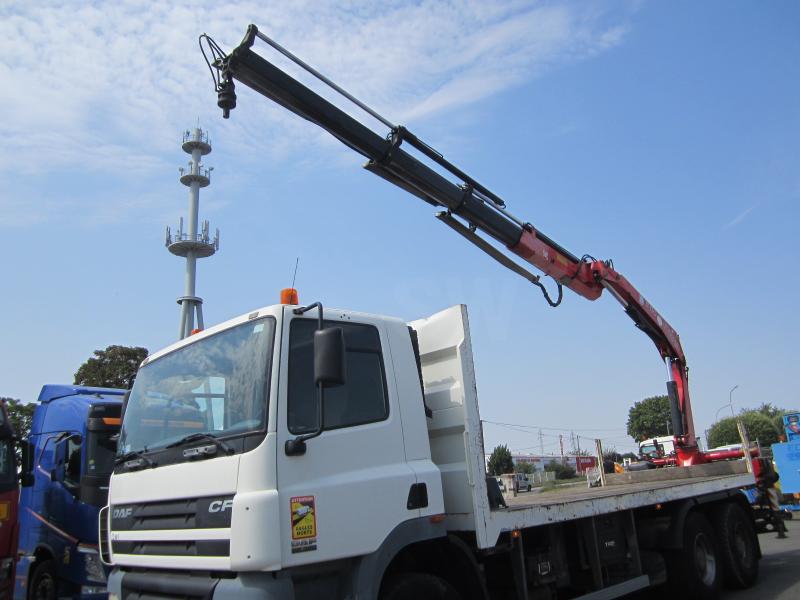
pixel 623 491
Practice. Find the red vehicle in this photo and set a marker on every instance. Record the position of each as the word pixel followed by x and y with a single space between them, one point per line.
pixel 9 499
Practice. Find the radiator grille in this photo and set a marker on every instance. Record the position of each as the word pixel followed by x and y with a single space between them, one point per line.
pixel 187 513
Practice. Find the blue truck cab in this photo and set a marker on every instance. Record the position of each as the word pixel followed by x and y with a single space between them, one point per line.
pixel 67 463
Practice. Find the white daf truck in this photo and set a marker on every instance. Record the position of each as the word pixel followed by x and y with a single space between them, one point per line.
pixel 288 454
pixel 238 479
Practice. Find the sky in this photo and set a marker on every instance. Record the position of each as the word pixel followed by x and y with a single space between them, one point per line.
pixel 665 136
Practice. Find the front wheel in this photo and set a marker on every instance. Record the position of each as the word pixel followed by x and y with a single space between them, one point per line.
pixel 738 545
pixel 696 570
pixel 419 586
pixel 43 585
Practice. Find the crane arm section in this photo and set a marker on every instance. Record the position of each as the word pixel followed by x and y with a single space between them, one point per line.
pixel 469 207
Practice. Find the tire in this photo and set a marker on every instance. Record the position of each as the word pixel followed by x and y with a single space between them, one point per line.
pixel 43 584
pixel 696 570
pixel 738 545
pixel 419 586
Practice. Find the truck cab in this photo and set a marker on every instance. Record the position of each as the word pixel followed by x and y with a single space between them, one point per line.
pixel 293 452
pixel 68 459
pixel 241 501
pixel 657 447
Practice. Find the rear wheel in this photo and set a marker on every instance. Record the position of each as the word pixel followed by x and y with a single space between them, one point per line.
pixel 43 585
pixel 696 570
pixel 419 586
pixel 738 545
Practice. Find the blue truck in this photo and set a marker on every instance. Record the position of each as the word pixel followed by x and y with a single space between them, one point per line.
pixel 67 461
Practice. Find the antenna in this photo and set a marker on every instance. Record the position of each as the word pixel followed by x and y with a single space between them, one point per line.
pixel 296 262
pixel 192 244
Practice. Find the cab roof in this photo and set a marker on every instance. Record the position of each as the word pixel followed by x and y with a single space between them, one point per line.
pixel 52 392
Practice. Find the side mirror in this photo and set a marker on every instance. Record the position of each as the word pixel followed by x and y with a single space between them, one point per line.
pixel 329 357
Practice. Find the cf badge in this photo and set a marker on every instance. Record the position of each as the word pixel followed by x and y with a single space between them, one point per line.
pixel 220 506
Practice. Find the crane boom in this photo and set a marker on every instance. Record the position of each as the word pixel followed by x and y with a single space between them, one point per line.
pixel 469 206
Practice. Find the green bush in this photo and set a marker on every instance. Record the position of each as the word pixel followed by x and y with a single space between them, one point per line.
pixel 759 427
pixel 561 471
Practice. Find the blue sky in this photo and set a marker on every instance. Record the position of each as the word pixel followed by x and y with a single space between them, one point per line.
pixel 663 135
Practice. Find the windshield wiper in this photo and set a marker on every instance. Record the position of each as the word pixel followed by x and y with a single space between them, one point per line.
pixel 134 460
pixel 201 451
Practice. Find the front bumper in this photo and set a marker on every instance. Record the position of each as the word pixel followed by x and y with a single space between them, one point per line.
pixel 124 585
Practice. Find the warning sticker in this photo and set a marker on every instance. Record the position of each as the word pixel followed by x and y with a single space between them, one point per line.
pixel 304 523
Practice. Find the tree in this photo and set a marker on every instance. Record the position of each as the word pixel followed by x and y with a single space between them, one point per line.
pixel 774 414
pixel 523 467
pixel 115 367
pixel 649 418
pixel 21 415
pixel 759 427
pixel 500 461
pixel 561 471
pixel 768 410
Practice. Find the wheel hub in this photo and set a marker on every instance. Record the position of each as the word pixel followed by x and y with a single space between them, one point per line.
pixel 704 559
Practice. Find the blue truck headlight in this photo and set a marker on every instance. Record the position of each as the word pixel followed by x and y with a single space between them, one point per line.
pixel 94 568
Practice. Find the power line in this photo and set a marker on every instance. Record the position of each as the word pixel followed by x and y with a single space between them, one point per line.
pixel 551 428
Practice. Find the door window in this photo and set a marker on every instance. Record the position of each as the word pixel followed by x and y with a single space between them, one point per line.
pixel 362 399
pixel 72 471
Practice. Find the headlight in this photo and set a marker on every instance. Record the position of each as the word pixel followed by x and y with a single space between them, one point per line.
pixel 94 568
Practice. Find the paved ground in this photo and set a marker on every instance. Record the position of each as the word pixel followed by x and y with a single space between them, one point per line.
pixel 779 576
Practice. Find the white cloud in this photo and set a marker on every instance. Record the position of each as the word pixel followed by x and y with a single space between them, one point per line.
pixel 107 87
pixel 740 217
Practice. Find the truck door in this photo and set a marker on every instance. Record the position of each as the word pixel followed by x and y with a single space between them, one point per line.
pixel 350 488
pixel 448 375
pixel 61 507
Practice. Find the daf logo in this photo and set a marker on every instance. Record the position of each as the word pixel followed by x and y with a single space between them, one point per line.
pixel 220 506
pixel 121 513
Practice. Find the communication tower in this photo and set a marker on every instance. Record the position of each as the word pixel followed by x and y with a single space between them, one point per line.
pixel 193 244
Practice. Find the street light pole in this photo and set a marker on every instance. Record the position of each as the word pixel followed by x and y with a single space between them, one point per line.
pixel 729 404
pixel 730 399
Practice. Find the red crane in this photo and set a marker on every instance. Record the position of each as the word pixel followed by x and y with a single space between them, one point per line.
pixel 470 207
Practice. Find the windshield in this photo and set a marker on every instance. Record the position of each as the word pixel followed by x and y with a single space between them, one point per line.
pixel 102 447
pixel 217 385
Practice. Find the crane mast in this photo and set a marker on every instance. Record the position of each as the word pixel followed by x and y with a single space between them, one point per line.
pixel 470 208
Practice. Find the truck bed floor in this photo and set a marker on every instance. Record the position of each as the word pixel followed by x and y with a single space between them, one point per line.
pixel 625 491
